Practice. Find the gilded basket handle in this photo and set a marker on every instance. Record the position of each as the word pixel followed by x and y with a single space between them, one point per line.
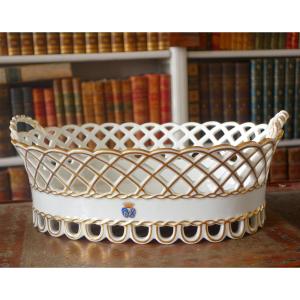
pixel 276 123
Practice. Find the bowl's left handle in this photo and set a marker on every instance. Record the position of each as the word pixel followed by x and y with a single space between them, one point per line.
pixel 276 124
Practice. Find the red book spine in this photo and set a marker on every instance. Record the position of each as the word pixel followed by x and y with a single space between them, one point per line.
pixel 154 97
pixel 39 106
pixel 215 40
pixel 50 107
pixel 165 99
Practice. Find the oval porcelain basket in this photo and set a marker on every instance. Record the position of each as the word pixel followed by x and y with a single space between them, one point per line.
pixel 148 182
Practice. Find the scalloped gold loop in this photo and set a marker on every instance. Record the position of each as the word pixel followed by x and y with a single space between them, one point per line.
pixel 219 237
pixel 111 237
pixel 41 223
pixel 51 230
pixel 92 237
pixel 71 235
pixel 168 240
pixel 191 240
pixel 34 218
pixel 241 230
pixel 252 229
pixel 143 240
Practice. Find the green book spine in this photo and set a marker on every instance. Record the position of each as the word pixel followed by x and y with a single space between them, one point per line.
pixel 267 40
pixel 68 96
pixel 256 83
pixel 259 40
pixel 17 105
pixel 78 100
pixel 282 40
pixel 274 40
pixel 297 101
pixel 193 92
pixel 279 76
pixel 289 100
pixel 268 82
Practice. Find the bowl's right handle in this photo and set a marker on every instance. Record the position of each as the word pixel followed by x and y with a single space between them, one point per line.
pixel 276 123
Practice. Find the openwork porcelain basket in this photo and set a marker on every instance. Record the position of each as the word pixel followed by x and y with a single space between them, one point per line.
pixel 148 182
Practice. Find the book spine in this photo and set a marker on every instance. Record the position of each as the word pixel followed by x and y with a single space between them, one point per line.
pixel 109 101
pixel 288 41
pixel 19 184
pixel 289 100
pixel 165 99
pixel 267 40
pixel 297 101
pixel 117 100
pixel 228 83
pixel 190 40
pixel 53 43
pixel 152 41
pixel 78 100
pixel 66 42
pixel 3 44
pixel 203 41
pixel 68 96
pixel 163 40
pixel 104 40
pixel 274 40
pixel 242 94
pixel 17 105
pixel 99 103
pixel 79 42
pixel 130 41
pixel 259 40
pixel 39 106
pixel 50 107
pixel 91 42
pixel 5 194
pixel 204 93
pixel 140 99
pixel 215 91
pixel 39 43
pixel 294 40
pixel 268 85
pixel 117 42
pixel 127 100
pixel 141 41
pixel 59 103
pixel 26 43
pixel 87 102
pixel 282 40
pixel 245 41
pixel 14 43
pixel 279 79
pixel 215 41
pixel 294 163
pixel 28 104
pixel 193 92
pixel 279 170
pixel 154 97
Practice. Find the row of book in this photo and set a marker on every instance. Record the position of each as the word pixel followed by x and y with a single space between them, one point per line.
pixel 38 43
pixel 285 165
pixel 14 185
pixel 245 91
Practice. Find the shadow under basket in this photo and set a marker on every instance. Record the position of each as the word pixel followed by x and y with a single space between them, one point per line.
pixel 148 182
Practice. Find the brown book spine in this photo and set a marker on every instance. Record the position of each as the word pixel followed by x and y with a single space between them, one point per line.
pixel 127 100
pixel 163 40
pixel 26 43
pixel 91 42
pixel 67 90
pixel 228 92
pixel 88 102
pixel 193 92
pixel 59 103
pixel 130 41
pixel 98 100
pixel 279 167
pixel 39 43
pixel 14 43
pixel 154 97
pixel 141 41
pixel 19 185
pixel 109 102
pixel 66 42
pixel 50 107
pixel 118 101
pixel 39 106
pixel 78 101
pixel 152 41
pixel 79 42
pixel 165 99
pixel 53 43
pixel 140 99
pixel 104 41
pixel 5 194
pixel 294 163
pixel 117 42
pixel 3 44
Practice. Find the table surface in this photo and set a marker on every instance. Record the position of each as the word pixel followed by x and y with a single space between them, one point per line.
pixel 276 245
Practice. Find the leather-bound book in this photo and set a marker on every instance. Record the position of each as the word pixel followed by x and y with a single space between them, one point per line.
pixel 204 41
pixel 140 99
pixel 26 43
pixel 282 40
pixel 39 43
pixel 152 41
pixel 267 40
pixel 104 41
pixel 66 42
pixel 274 40
pixel 215 91
pixel 14 43
pixel 5 194
pixel 17 104
pixel 279 166
pixel 68 96
pixel 279 79
pixel 117 100
pixel 79 42
pixel 256 83
pixel 99 102
pixel 165 99
pixel 289 97
pixel 154 97
pixel 259 40
pixel 228 92
pixel 88 102
pixel 215 41
pixel 39 106
pixel 163 40
pixel 28 104
pixel 50 107
pixel 91 42
pixel 294 163
pixel 59 103
pixel 19 185
pixel 53 42
pixel 204 93
pixel 190 40
pixel 268 85
pixel 292 40
pixel 78 101
pixel 127 100
pixel 193 92
pixel 109 101
pixel 3 44
pixel 117 42
pixel 141 41
pixel 130 41
pixel 297 101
